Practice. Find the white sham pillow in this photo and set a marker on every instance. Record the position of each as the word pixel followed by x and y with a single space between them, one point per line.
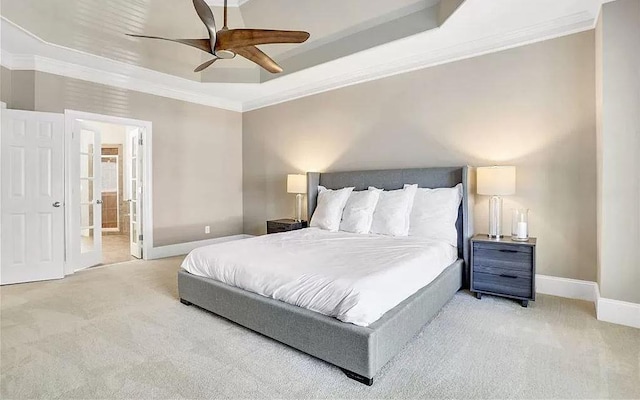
pixel 357 216
pixel 391 216
pixel 330 205
pixel 435 212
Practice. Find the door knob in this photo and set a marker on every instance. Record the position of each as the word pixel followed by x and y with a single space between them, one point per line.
pixel 98 201
pixel 57 204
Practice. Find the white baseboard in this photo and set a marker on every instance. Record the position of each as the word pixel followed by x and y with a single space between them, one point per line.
pixel 184 248
pixel 608 310
pixel 617 312
pixel 565 287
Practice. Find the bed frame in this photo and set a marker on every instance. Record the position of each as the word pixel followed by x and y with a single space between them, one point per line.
pixel 359 351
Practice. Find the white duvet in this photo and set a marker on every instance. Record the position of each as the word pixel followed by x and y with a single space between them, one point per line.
pixel 353 277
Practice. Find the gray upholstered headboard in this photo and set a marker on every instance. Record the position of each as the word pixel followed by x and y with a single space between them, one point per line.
pixel 391 179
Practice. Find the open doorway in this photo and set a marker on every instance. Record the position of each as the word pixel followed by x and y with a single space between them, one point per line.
pixel 117 189
pixel 107 193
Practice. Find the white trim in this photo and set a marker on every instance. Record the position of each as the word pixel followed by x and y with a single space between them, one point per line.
pixel 6 58
pixel 147 184
pixel 565 287
pixel 607 310
pixel 185 248
pixel 617 312
pixel 147 189
pixel 3 105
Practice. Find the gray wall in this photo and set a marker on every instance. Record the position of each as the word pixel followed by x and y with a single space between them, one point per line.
pixel 197 150
pixel 618 111
pixel 532 107
pixel 5 85
pixel 18 89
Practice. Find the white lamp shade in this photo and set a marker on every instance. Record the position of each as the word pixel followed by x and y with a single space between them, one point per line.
pixel 496 181
pixel 296 183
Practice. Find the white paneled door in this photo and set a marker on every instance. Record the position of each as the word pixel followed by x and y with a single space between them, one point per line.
pixel 85 196
pixel 32 232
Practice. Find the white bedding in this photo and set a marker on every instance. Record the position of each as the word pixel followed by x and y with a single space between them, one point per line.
pixel 355 278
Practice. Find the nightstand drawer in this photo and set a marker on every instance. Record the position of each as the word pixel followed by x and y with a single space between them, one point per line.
pixel 273 227
pixel 510 247
pixel 502 258
pixel 285 225
pixel 520 264
pixel 508 269
pixel 511 284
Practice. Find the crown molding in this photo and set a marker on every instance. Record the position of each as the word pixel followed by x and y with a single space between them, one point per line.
pixel 6 59
pixel 434 47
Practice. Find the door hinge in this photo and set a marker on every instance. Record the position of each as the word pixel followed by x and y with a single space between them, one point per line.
pixel 140 237
pixel 140 141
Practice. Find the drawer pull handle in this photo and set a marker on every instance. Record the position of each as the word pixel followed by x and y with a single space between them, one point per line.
pixel 508 251
pixel 508 276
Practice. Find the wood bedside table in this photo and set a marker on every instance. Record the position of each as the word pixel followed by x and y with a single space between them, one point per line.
pixel 503 268
pixel 285 225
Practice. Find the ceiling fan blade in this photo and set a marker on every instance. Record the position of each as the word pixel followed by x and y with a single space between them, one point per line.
pixel 254 54
pixel 201 44
pixel 236 38
pixel 206 15
pixel 205 65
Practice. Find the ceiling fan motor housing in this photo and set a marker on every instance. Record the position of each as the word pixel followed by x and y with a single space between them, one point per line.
pixel 225 54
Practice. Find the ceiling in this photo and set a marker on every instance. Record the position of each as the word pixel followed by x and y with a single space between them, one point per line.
pixel 99 26
pixel 351 41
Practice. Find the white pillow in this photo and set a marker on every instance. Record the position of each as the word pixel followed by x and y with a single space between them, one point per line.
pixel 328 212
pixel 393 210
pixel 435 212
pixel 358 213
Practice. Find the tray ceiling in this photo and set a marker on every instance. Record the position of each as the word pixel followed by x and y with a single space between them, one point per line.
pixel 351 41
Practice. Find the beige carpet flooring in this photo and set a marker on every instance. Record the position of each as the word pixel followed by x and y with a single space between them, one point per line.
pixel 119 332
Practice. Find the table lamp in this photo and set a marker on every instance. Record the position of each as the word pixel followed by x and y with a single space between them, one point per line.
pixel 495 182
pixel 297 184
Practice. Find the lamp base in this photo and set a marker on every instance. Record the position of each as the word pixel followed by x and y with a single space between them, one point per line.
pixel 495 217
pixel 298 217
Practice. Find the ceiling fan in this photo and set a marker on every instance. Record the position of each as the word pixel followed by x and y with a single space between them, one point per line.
pixel 227 43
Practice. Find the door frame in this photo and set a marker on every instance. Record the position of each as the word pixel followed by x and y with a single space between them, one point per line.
pixel 147 176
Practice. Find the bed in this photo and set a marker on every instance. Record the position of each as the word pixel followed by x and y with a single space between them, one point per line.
pixel 360 344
